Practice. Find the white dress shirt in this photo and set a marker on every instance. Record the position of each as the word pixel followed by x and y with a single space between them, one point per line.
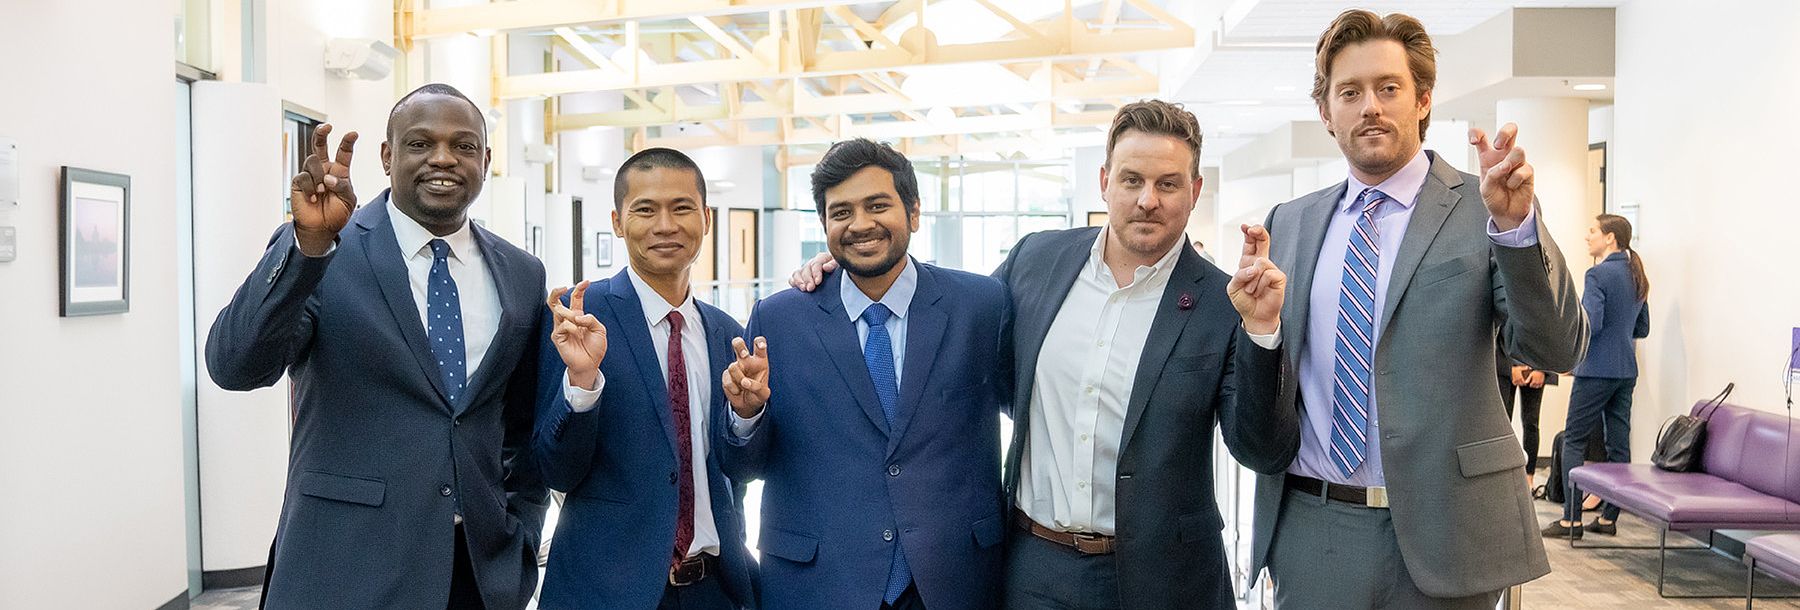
pixel 474 285
pixel 700 385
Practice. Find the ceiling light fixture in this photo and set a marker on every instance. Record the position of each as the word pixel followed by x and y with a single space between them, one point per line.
pixel 1591 87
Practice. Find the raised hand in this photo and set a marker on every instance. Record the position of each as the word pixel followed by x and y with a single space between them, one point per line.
pixel 809 275
pixel 746 381
pixel 1507 185
pixel 1258 287
pixel 322 197
pixel 579 338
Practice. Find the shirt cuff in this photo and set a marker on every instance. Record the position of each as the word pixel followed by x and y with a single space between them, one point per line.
pixel 581 400
pixel 1524 236
pixel 1268 341
pixel 743 428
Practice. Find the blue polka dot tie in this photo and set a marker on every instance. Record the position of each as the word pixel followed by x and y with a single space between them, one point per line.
pixel 443 312
pixel 878 354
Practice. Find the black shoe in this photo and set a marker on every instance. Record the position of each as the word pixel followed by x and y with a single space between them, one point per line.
pixel 1607 529
pixel 1557 530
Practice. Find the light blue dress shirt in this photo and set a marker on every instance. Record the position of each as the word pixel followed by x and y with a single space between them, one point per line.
pixel 1316 359
pixel 897 299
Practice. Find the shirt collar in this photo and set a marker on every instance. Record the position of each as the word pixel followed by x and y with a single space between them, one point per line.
pixel 1401 188
pixel 1097 258
pixel 415 240
pixel 656 308
pixel 897 298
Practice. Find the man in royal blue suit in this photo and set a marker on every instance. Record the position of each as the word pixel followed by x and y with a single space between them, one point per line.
pixel 629 399
pixel 879 447
pixel 410 334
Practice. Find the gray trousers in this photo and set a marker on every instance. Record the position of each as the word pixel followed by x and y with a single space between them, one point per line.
pixel 1327 554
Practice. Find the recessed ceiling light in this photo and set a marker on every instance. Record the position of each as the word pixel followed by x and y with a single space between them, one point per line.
pixel 1591 87
pixel 1284 88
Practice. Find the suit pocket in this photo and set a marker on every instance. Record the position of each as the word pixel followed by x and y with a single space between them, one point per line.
pixel 798 548
pixel 1490 456
pixel 987 531
pixel 1197 526
pixel 1193 364
pixel 355 490
pixel 1450 268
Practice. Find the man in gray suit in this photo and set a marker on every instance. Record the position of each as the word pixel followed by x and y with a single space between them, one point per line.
pixel 1405 491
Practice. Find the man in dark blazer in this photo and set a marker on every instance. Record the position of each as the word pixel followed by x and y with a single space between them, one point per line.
pixel 409 481
pixel 879 447
pixel 630 402
pixel 1405 491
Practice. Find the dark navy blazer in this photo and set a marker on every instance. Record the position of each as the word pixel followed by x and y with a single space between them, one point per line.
pixel 1616 315
pixel 618 464
pixel 842 487
pixel 381 460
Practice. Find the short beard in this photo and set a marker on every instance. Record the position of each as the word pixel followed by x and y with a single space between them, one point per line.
pixel 880 268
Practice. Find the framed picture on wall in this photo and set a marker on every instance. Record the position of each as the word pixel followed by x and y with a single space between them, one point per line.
pixel 95 242
pixel 603 243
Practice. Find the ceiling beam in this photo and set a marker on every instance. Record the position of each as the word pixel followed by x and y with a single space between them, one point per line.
pixel 421 24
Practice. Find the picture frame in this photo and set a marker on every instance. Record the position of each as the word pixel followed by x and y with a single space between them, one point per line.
pixel 95 243
pixel 603 246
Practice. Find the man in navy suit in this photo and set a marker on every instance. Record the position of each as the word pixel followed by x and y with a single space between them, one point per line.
pixel 410 334
pixel 879 447
pixel 628 403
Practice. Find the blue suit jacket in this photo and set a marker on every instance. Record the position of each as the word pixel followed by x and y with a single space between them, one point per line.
pixel 1616 315
pixel 380 458
pixel 618 464
pixel 841 486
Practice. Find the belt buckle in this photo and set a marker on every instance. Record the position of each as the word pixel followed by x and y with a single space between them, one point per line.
pixel 1088 537
pixel 699 565
pixel 1376 497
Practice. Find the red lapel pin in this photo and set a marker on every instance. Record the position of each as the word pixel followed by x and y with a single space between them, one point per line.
pixel 1186 302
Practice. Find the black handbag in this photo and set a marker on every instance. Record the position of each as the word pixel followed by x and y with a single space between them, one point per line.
pixel 1682 441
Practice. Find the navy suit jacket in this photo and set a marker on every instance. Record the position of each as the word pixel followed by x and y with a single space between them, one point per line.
pixel 381 460
pixel 1616 315
pixel 618 464
pixel 842 486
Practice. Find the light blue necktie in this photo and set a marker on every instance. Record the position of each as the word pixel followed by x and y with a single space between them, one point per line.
pixel 878 354
pixel 1355 345
pixel 443 311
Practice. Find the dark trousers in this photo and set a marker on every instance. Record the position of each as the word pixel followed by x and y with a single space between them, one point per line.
pixel 464 594
pixel 1043 575
pixel 1596 402
pixel 1531 402
pixel 707 594
pixel 908 600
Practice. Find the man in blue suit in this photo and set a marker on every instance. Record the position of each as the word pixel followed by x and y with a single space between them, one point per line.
pixel 410 336
pixel 879 447
pixel 650 520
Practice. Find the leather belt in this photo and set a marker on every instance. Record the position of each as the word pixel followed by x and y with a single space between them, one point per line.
pixel 1370 497
pixel 693 569
pixel 1084 543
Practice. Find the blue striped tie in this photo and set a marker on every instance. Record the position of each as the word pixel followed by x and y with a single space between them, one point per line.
pixel 1355 345
pixel 443 309
pixel 878 354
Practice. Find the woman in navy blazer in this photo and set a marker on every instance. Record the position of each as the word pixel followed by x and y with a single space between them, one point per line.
pixel 1617 313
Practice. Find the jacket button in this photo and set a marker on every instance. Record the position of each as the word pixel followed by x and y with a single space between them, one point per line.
pixel 445 491
pixel 672 478
pixel 887 535
pixel 455 422
pixel 893 470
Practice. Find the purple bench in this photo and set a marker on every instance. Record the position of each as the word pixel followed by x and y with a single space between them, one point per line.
pixel 1777 554
pixel 1746 481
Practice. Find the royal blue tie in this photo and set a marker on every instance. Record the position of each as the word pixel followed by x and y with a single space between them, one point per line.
pixel 1355 345
pixel 878 354
pixel 443 309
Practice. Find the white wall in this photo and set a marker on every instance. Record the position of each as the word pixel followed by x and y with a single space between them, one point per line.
pixel 1707 163
pixel 298 30
pixel 90 415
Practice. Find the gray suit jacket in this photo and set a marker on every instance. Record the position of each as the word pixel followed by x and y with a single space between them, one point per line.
pixel 1197 368
pixel 1461 513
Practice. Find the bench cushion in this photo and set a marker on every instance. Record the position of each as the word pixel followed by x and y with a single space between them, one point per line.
pixel 1689 500
pixel 1777 554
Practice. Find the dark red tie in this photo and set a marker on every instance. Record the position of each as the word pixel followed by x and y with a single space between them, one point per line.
pixel 684 441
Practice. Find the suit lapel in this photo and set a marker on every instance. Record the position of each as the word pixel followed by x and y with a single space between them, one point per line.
pixel 1165 331
pixel 388 265
pixel 924 333
pixel 1315 218
pixel 514 304
pixel 633 332
pixel 1436 200
pixel 1033 319
pixel 837 333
